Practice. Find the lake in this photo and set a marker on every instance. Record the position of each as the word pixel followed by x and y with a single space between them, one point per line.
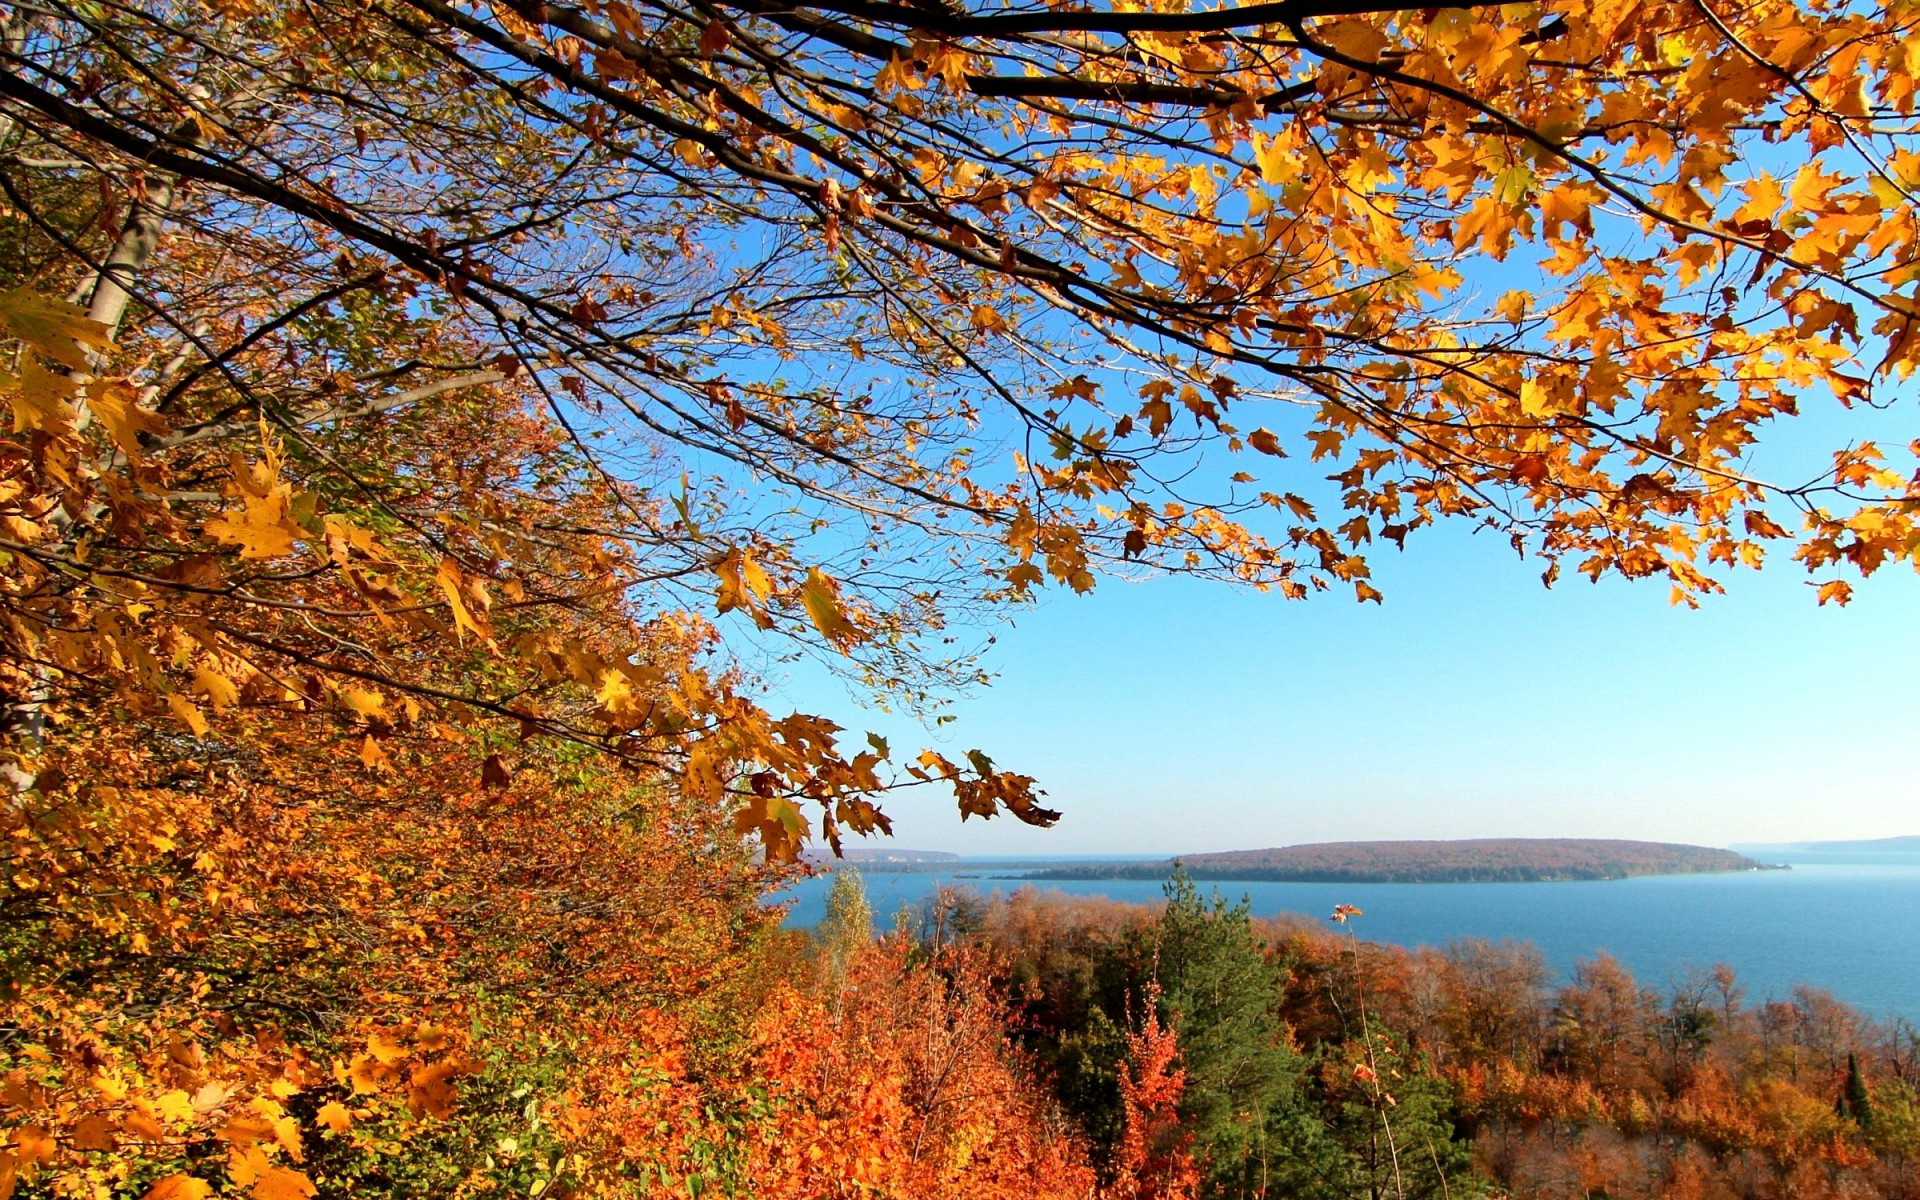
pixel 1845 922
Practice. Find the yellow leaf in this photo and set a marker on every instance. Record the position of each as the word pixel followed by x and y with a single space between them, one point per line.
pixel 263 527
pixel 216 687
pixel 450 584
pixel 175 1106
pixel 1837 590
pixel 184 709
pixel 334 1116
pixel 179 1187
pixel 1276 159
pixel 821 598
pixel 41 400
pixel 365 703
pixel 116 403
pixel 282 1183
pixel 55 328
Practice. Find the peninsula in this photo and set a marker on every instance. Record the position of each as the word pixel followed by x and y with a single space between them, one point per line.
pixel 1473 860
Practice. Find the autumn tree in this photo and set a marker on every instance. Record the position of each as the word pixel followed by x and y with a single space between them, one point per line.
pixel 827 257
pixel 447 391
pixel 1152 1160
pixel 848 923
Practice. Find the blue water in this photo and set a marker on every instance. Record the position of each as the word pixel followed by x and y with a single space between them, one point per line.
pixel 1845 922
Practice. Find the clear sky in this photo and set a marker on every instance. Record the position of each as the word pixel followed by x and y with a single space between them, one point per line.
pixel 1170 717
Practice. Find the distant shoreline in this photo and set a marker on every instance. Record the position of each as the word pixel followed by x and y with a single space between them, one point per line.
pixel 1479 860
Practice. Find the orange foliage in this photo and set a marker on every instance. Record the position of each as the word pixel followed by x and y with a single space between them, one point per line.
pixel 1153 1160
pixel 901 1085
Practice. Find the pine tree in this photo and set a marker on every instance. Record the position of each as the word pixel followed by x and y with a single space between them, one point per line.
pixel 1856 1102
pixel 1243 1100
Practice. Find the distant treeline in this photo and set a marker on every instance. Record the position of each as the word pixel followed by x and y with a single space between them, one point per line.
pixel 1479 860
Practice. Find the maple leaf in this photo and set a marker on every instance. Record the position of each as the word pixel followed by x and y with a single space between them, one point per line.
pixel 372 756
pixel 431 1089
pixel 34 1144
pixel 820 596
pixel 216 688
pixel 281 1183
pixel 364 702
pixel 263 527
pixel 494 773
pixel 94 1133
pixel 1265 442
pixel 185 710
pixel 776 822
pixel 334 1116
pixel 116 403
pixel 451 585
pixel 179 1187
pixel 55 328
pixel 41 400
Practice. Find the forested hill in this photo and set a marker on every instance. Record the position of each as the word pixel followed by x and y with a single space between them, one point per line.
pixel 1474 860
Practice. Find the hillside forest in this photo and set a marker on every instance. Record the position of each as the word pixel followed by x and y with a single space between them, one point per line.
pixel 430 426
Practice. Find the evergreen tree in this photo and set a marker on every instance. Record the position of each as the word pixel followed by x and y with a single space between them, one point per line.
pixel 1243 1100
pixel 1856 1101
pixel 1389 1116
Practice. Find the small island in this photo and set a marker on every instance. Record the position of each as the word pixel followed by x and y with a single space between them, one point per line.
pixel 1471 860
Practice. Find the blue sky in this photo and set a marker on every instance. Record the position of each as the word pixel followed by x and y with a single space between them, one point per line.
pixel 1168 717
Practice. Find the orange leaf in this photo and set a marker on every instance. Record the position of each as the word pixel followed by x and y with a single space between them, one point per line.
pixel 116 403
pixel 451 585
pixel 334 1116
pixel 282 1183
pixel 32 1144
pixel 179 1187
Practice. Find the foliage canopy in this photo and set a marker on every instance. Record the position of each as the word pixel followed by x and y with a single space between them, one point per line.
pixel 835 320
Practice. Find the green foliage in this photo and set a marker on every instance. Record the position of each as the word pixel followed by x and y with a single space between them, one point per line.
pixel 1856 1102
pixel 1389 1117
pixel 1243 1100
pixel 1896 1119
pixel 848 925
